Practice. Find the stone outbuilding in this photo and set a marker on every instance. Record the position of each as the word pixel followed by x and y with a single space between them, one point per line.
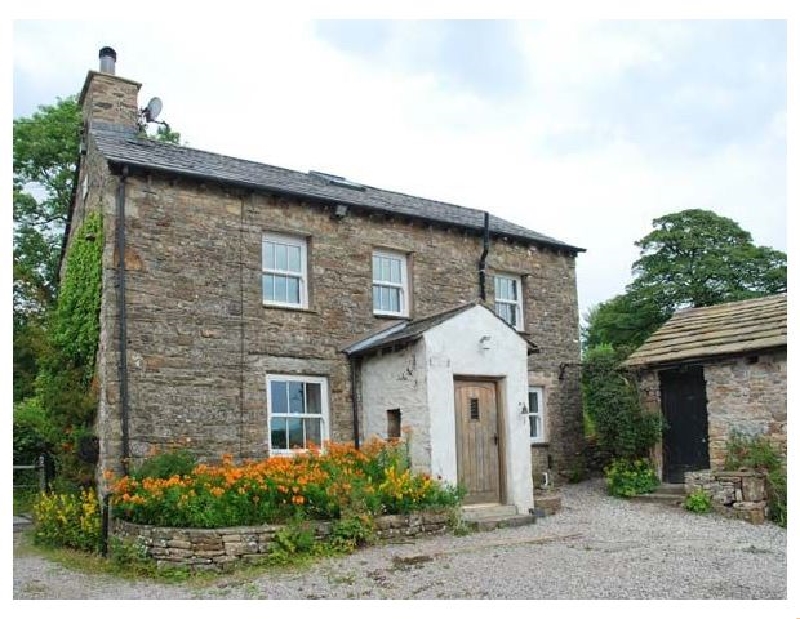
pixel 712 371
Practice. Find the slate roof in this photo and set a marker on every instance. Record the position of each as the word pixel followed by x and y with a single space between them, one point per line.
pixel 413 330
pixel 729 328
pixel 126 148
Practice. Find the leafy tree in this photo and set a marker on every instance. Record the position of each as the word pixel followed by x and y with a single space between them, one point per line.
pixel 624 321
pixel 165 134
pixel 693 258
pixel 697 258
pixel 45 156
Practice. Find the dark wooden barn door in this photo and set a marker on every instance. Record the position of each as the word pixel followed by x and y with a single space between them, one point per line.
pixel 477 448
pixel 685 440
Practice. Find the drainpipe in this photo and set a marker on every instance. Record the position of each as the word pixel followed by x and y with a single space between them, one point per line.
pixel 123 338
pixel 482 261
pixel 356 432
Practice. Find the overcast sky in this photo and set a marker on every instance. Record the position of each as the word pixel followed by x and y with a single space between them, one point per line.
pixel 582 131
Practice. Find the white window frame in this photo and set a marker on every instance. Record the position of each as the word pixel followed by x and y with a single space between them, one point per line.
pixel 294 241
pixel 324 416
pixel 402 287
pixel 518 302
pixel 542 438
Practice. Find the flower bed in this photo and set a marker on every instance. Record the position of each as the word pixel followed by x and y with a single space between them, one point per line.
pixel 375 481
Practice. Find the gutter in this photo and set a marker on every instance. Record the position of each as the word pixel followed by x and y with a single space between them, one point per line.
pixel 123 337
pixel 482 261
pixel 356 429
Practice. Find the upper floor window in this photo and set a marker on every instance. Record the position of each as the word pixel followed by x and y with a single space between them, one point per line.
pixel 508 300
pixel 389 284
pixel 284 271
pixel 536 414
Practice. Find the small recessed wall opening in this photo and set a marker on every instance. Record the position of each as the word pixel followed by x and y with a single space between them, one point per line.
pixel 393 423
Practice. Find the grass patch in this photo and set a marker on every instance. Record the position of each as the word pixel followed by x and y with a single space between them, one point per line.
pixel 136 569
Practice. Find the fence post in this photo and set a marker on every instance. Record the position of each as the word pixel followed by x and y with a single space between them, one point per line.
pixel 104 525
pixel 42 474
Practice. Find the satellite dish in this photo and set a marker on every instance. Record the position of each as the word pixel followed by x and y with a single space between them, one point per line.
pixel 153 109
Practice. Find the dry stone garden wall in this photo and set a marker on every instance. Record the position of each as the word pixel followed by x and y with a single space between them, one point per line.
pixel 218 549
pixel 737 494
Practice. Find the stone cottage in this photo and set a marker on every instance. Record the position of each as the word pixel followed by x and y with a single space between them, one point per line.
pixel 249 309
pixel 713 370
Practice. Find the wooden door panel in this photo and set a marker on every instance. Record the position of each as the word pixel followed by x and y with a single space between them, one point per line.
pixel 477 439
pixel 685 439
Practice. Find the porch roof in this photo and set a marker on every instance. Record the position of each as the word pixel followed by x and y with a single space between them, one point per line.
pixel 414 329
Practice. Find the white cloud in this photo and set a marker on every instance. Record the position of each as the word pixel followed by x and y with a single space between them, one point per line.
pixel 556 155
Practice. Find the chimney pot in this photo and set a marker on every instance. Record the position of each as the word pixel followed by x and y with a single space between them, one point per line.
pixel 108 60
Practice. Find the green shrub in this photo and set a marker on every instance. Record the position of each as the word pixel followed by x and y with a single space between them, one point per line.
pixel 776 496
pixel 179 462
pixel 626 478
pixel 33 431
pixel 698 502
pixel 68 520
pixel 752 452
pixel 352 532
pixel 622 427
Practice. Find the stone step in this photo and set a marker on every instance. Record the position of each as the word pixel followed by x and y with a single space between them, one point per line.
pixel 487 511
pixel 679 489
pixel 658 497
pixel 490 524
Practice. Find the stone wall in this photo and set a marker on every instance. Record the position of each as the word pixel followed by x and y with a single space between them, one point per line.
pixel 650 396
pixel 200 341
pixel 737 494
pixel 747 394
pixel 218 549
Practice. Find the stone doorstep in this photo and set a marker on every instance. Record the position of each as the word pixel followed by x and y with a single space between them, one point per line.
pixel 481 511
pixel 490 524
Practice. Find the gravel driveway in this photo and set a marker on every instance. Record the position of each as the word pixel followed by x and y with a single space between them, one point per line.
pixel 596 547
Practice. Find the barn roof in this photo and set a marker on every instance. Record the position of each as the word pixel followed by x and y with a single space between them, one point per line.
pixel 726 329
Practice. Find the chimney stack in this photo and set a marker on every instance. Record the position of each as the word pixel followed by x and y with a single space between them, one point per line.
pixel 107 98
pixel 108 60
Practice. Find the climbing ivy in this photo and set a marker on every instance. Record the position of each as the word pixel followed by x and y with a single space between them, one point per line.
pixel 76 323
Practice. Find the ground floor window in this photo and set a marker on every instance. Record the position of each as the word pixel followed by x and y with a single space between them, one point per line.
pixel 536 414
pixel 298 412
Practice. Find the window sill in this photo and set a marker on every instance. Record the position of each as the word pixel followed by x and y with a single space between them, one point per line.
pixel 289 308
pixel 540 443
pixel 390 316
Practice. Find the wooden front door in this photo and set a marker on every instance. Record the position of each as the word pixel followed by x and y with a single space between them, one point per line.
pixel 477 440
pixel 685 439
